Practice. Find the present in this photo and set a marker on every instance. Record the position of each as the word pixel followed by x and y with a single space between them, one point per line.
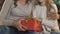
pixel 32 24
pixel 23 22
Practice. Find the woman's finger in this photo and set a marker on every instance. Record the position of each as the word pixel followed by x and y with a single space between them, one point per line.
pixel 24 26
pixel 21 28
pixel 1 23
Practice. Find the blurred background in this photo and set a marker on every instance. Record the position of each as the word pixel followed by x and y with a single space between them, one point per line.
pixel 57 2
pixel 1 3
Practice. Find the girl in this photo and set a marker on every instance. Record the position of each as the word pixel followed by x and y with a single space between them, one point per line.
pixel 46 11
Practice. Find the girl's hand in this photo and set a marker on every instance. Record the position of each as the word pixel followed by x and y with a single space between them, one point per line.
pixel 19 26
pixel 53 14
pixel 56 16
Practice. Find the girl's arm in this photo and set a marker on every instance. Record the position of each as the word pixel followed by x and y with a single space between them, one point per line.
pixel 54 12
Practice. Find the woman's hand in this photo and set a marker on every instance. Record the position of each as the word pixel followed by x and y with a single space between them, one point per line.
pixel 1 23
pixel 19 26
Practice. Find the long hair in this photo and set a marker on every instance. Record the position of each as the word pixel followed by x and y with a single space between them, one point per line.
pixel 17 0
pixel 49 4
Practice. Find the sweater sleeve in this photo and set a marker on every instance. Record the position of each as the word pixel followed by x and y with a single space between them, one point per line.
pixel 4 12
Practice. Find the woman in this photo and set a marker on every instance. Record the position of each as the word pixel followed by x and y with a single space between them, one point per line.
pixel 12 13
pixel 46 11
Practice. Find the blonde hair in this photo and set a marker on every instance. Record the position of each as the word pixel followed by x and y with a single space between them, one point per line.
pixel 49 4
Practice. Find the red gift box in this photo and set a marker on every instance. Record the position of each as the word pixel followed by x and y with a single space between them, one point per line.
pixel 23 22
pixel 32 25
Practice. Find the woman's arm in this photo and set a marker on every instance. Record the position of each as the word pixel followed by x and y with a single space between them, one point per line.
pixel 5 9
